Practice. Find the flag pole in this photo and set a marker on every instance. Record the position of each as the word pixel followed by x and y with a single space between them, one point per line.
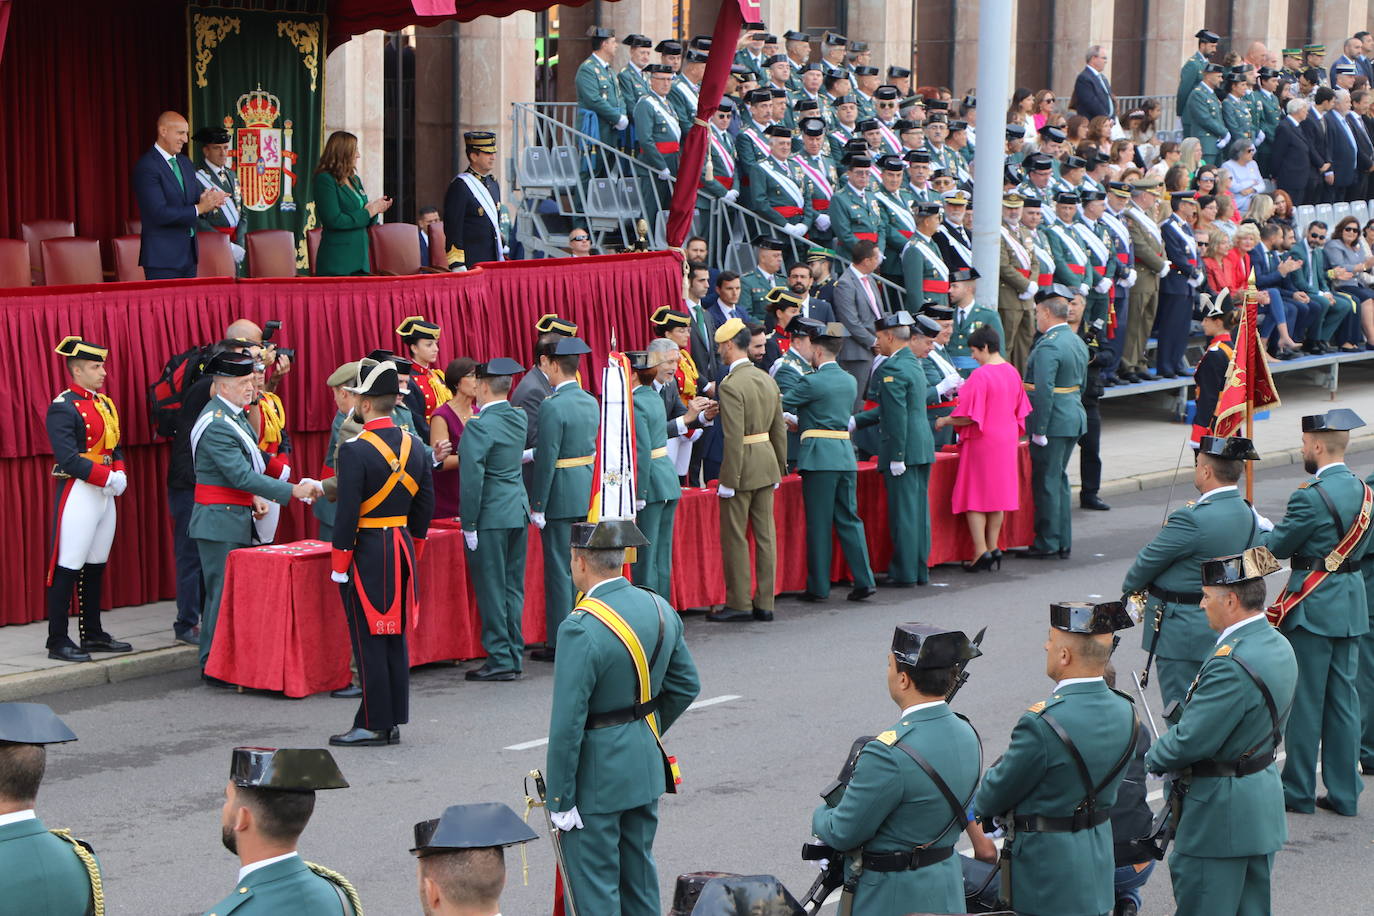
pixel 1252 317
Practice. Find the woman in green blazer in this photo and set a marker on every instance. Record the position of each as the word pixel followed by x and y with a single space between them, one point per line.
pixel 342 208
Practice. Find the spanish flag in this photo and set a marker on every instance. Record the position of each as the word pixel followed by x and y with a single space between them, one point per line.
pixel 1248 381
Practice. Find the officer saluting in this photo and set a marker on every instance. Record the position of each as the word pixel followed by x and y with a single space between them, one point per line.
pixel 906 804
pixel 385 504
pixel 613 698
pixel 1169 568
pixel 472 221
pixel 83 429
pixel 1058 779
pixel 41 870
pixel 1232 819
pixel 268 802
pixel 1323 612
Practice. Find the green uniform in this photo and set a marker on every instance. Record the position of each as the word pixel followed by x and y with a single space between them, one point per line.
pixel 724 167
pixel 1062 872
pixel 745 59
pixel 938 405
pixel 682 97
pixel 787 371
pixel 598 92
pixel 1325 630
pixel 1055 371
pixel 1230 826
pixel 966 321
pixel 924 273
pixel 40 872
pixel 633 84
pixel 290 885
pixel 226 455
pixel 493 503
pixel 1218 524
pixel 1267 117
pixel 1071 257
pixel 899 384
pixel 753 287
pixel 1204 114
pixel 659 138
pixel 614 775
pixel 657 485
pixel 837 137
pixel 780 192
pixel 1238 116
pixel 750 146
pixel 891 805
pixel 823 402
pixel 899 226
pixel 1100 246
pixel 561 488
pixel 1188 79
pixel 854 215
pixel 1365 684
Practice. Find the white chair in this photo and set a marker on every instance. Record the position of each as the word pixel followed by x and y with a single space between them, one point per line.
pixel 1327 214
pixel 1303 216
pixel 1340 211
pixel 1360 210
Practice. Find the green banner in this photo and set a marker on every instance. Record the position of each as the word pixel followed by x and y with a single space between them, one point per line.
pixel 260 75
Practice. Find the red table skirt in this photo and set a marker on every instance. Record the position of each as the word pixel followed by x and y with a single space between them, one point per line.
pixel 281 623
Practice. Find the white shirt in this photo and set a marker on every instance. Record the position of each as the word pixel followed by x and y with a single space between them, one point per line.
pixel 588 592
pixel 247 870
pixel 167 157
pixel 1210 493
pixel 1062 324
pixel 910 709
pixel 1236 626
pixel 1076 680
pixel 571 381
pixel 1326 466
pixel 233 408
pixel 15 817
pixel 737 363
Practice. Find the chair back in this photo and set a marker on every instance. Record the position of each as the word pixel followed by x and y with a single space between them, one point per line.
pixel 438 246
pixel 394 248
pixel 312 246
pixel 71 261
pixel 272 253
pixel 215 258
pixel 14 264
pixel 35 231
pixel 133 227
pixel 126 249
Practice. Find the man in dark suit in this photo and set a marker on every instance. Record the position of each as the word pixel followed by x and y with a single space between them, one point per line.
pixel 799 285
pixel 1344 148
pixel 1294 158
pixel 1314 128
pixel 1360 123
pixel 726 306
pixel 170 200
pixel 427 217
pixel 1092 93
pixel 858 304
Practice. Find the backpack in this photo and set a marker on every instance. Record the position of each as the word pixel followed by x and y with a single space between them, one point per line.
pixel 165 395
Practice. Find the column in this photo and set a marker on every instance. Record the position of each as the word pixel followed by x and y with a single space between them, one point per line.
pixel 1169 42
pixel 887 28
pixel 1262 20
pixel 434 162
pixel 353 101
pixel 495 70
pixel 1333 21
pixel 967 49
pixel 654 20
pixel 1078 25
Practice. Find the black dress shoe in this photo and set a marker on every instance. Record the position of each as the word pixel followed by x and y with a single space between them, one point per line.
pixel 1032 553
pixel 1166 375
pixel 488 673
pixel 360 737
pixel 104 642
pixel 812 597
pixel 893 583
pixel 1065 553
pixel 1092 501
pixel 543 654
pixel 189 637
pixel 1128 378
pixel 763 615
pixel 1367 766
pixel 729 615
pixel 862 593
pixel 351 692
pixel 1125 908
pixel 1324 802
pixel 69 653
pixel 394 736
pixel 1292 809
pixel 216 682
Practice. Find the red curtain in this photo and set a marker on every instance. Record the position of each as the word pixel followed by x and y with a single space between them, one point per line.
pixel 81 85
pixel 486 312
pixel 352 17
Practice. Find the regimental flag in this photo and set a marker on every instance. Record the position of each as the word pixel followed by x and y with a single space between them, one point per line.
pixel 613 475
pixel 1247 378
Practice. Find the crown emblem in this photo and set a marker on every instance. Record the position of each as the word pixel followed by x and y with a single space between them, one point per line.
pixel 259 108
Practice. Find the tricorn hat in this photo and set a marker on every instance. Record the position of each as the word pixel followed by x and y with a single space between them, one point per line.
pixel 497 367
pixel 1339 420
pixel 551 323
pixel 1088 618
pixel 377 380
pixel 1234 448
pixel 471 827
pixel 32 723
pixel 920 645
pixel 416 327
pixel 74 347
pixel 607 534
pixel 288 769
pixel 1254 563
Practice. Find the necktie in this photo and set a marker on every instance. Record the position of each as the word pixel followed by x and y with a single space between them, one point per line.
pixel 176 170
pixel 959 318
pixel 872 299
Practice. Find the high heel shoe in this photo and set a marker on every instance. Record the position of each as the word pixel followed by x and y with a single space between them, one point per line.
pixel 997 555
pixel 984 562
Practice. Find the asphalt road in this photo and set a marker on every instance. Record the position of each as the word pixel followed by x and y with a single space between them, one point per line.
pixel 145 782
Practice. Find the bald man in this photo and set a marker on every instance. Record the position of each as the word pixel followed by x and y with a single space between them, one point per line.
pixel 1257 55
pixel 169 201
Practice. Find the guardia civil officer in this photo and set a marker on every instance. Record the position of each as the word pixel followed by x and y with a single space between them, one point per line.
pixel 1169 568
pixel 1223 746
pixel 88 462
pixel 606 764
pixel 1324 613
pixel 906 805
pixel 41 870
pixel 472 219
pixel 385 504
pixel 462 860
pixel 1055 785
pixel 267 803
pixel 657 490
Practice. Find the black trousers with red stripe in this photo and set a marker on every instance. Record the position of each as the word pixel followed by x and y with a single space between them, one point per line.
pixel 383 669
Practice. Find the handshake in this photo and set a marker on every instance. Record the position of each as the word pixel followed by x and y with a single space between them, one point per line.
pixel 307 490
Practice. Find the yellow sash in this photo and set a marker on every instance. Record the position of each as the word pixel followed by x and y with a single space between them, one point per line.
pixel 398 471
pixel 110 417
pixel 273 419
pixel 441 392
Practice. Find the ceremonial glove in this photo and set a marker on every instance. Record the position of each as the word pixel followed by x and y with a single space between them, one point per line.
pixel 946 386
pixel 1164 271
pixel 822 864
pixel 1196 281
pixel 470 538
pixel 338 577
pixel 732 195
pixel 664 174
pixel 118 482
pixel 852 424
pixel 1264 523
pixel 621 124
pixel 1040 441
pixel 1223 140
pixel 1102 285
pixel 527 456
pixel 539 520
pixel 896 468
pixel 778 484
pixel 639 505
pixel 1082 289
pixel 566 820
pixel 1131 277
pixel 1259 138
pixel 823 222
pixel 796 230
pixel 1031 291
pixel 724 492
pixel 458 269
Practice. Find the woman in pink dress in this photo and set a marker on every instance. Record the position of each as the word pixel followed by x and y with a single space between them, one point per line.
pixel 990 419
pixel 447 423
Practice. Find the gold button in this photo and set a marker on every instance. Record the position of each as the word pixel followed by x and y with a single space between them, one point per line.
pixel 243 890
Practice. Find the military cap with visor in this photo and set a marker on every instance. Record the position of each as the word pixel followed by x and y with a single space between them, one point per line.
pixel 230 364
pixel 480 141
pixel 208 134
pixel 800 326
pixel 926 326
pixel 498 367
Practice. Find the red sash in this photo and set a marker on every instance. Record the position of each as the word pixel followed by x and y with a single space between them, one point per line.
pixel 935 286
pixel 1336 557
pixel 227 230
pixel 820 203
pixel 1044 279
pixel 1101 270
pixel 211 495
pixel 671 146
pixel 728 181
pixel 906 234
pixel 1077 269
pixel 1024 272
pixel 866 236
pixel 789 211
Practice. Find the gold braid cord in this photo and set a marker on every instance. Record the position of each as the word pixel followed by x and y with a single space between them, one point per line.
pixel 92 869
pixel 335 878
pixel 210 31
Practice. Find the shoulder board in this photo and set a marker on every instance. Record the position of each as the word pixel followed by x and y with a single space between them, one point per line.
pixel 1306 483
pixel 1123 694
pixel 1222 652
pixel 60 399
pixel 1037 708
pixel 1192 503
pixel 889 378
pixel 888 737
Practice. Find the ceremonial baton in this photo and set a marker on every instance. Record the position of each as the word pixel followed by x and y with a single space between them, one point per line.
pixel 538 801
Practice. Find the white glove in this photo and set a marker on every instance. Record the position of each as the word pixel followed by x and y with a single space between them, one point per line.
pixel 724 492
pixel 789 417
pixel 566 820
pixel 664 174
pixel 338 577
pixel 1164 271
pixel 732 195
pixel 319 488
pixel 823 222
pixel 458 269
pixel 1131 276
pixel 1259 138
pixel 117 482
pixel 539 520
pixel 1031 291
pixel 527 456
pixel 1223 140
pixel 1039 440
pixel 1264 523
pixel 470 538
pixel 822 864
pixel 1102 285
pixel 796 230
pixel 639 505
pixel 852 424
pixel 778 484
pixel 1196 281
pixel 945 386
pixel 1082 289
pixel 623 123
pixel 896 468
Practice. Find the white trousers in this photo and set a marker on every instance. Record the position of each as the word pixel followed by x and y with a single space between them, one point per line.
pixel 86 529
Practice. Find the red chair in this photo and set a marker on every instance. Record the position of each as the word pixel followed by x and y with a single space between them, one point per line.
pixel 126 250
pixel 438 254
pixel 312 246
pixel 133 227
pixel 35 231
pixel 14 264
pixel 394 249
pixel 272 253
pixel 215 257
pixel 71 261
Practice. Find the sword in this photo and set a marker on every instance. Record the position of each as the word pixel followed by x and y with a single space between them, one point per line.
pixel 1149 713
pixel 1172 483
pixel 537 801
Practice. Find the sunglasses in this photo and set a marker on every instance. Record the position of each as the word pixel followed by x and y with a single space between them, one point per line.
pixel 579 238
pixel 1350 229
pixel 1315 237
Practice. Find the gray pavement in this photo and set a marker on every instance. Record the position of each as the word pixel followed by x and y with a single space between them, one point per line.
pixel 145 782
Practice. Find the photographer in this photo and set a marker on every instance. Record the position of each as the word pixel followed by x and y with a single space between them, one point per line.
pixel 1089 454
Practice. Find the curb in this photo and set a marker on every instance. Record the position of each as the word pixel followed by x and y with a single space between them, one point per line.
pixel 93 674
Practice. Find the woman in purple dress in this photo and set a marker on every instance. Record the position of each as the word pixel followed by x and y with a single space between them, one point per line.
pixel 447 423
pixel 990 419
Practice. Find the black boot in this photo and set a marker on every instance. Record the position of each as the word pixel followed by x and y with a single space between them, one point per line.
pixel 93 638
pixel 60 645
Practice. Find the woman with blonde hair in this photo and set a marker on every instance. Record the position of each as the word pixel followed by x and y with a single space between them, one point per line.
pixel 342 208
pixel 1043 107
pixel 1262 208
pixel 1190 155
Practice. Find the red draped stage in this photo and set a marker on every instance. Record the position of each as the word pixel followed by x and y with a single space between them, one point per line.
pixel 485 312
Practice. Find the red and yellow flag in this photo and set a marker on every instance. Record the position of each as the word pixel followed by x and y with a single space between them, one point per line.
pixel 1247 379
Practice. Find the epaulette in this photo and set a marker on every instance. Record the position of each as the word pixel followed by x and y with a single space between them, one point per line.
pixel 341 883
pixel 1190 504
pixel 1123 694
pixel 1306 483
pixel 888 737
pixel 1222 652
pixel 889 378
pixel 1037 708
